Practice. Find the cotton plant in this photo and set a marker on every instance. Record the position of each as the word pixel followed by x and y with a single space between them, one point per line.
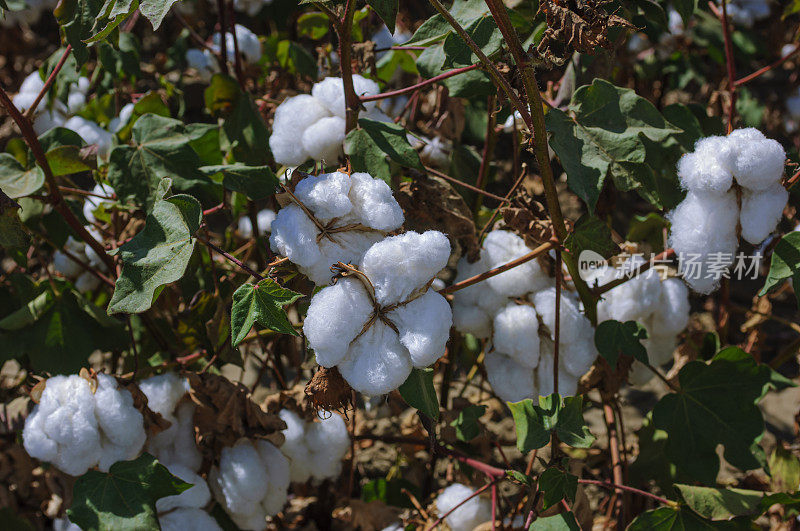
pixel 64 263
pixel 82 423
pixel 380 319
pixel 185 510
pixel 204 62
pixel 659 303
pixel 251 482
pixel 175 445
pixel 312 126
pixel 264 219
pixel 467 516
pixel 33 11
pixel 334 217
pixel 515 310
pixel 315 449
pixel 722 171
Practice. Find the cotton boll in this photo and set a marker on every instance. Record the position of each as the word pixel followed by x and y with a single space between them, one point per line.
pixel 249 45
pixel 377 362
pixel 330 91
pixel 121 423
pixel 294 235
pixel 466 516
pixel 511 381
pixel 178 446
pixel 183 519
pixel 702 226
pixel 672 313
pixel 759 161
pixel 242 478
pixel 86 282
pixel 399 265
pixel 264 220
pixel 331 337
pixel 516 333
pixel 295 447
pixel 163 392
pixel 567 383
pixel 91 133
pixel 326 195
pixel 324 140
pixel 761 212
pixel 278 466
pixel 346 247
pixel 203 62
pixel 502 247
pixel 292 117
pixel 66 266
pixel 640 374
pixel 436 152
pixel 47 120
pixel 373 203
pixel 195 497
pixel 424 326
pixel 63 524
pixel 576 357
pixel 472 319
pixel 572 323
pixel 705 170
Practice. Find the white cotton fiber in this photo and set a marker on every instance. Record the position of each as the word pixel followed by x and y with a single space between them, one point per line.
pixel 502 247
pixel 466 516
pixel 572 323
pixel 567 383
pixel 324 140
pixel 759 161
pixel 516 334
pixel 511 381
pixel 91 133
pixel 672 312
pixel 248 43
pixel 329 336
pixel 474 307
pixel 472 319
pixel 338 201
pixel 330 91
pixel 373 203
pixel 315 449
pixel 66 266
pixel 761 212
pixel 660 348
pixel 250 482
pixel 708 168
pixel 86 282
pixel 377 362
pixel 163 392
pixel 292 117
pixel 195 497
pixel 424 326
pixel 75 429
pixel 183 519
pixel 436 152
pixel 264 219
pixel 398 265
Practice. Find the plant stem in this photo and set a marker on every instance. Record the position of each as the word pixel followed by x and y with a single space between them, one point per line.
pixel 352 101
pixel 543 248
pixel 49 83
pixel 223 41
pixel 55 194
pixel 726 32
pixel 757 73
pixel 423 84
pixel 462 502
pixel 669 253
pixel 488 149
pixel 609 485
pixel 465 185
pixel 230 258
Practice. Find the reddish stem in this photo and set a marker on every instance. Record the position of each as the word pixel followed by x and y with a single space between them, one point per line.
pixel 726 32
pixel 751 77
pixel 49 83
pixel 230 258
pixel 465 185
pixel 423 84
pixel 462 502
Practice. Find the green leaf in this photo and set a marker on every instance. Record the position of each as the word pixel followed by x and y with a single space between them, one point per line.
pixel 785 263
pixel 419 393
pixel 387 10
pixel 721 504
pixel 256 182
pixel 59 332
pixel 11 520
pixel 15 180
pixel 716 405
pixel 12 232
pixel 150 103
pixel 66 160
pixel 557 485
pixel 313 25
pixel 676 519
pixel 158 255
pixel 605 133
pixel 244 133
pixel 160 149
pixel 686 9
pixel 784 469
pixel 534 424
pixel 431 31
pixel 560 522
pixel 125 496
pixel 592 234
pixel 295 59
pixel 121 60
pixel 484 33
pixel 59 137
pixel 390 492
pixel 392 140
pixel 613 338
pixel 470 84
pixel 649 228
pixel 155 10
pixel 113 13
pixel 77 18
pixel 365 155
pixel 261 303
pixel 466 424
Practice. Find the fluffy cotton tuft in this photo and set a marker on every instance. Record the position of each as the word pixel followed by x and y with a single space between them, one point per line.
pixel 183 519
pixel 76 429
pixel 502 247
pixel 362 205
pixel 264 220
pixel 468 515
pixel 315 449
pixel 376 343
pixel 761 212
pixel 249 45
pixel 251 482
pixel 312 126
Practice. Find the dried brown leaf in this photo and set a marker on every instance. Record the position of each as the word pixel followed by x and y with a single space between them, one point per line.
pixel 328 391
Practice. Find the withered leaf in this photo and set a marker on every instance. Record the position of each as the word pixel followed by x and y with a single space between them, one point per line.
pixel 226 412
pixel 528 218
pixel 153 422
pixel 432 203
pixel 328 391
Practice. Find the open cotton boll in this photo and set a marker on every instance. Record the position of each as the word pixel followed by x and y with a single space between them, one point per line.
pixel 324 140
pixel 761 212
pixel 703 225
pixel 474 307
pixel 75 429
pixel 66 266
pixel 634 298
pixel 708 168
pixel 436 152
pixel 466 516
pixel 295 447
pixel 249 45
pixel 163 392
pixel 659 348
pixel 86 282
pixel 327 195
pixel 91 133
pixel 183 519
pixel 376 362
pixel 315 449
pixel 572 323
pixel 264 220
pixel 511 381
pixel 177 444
pixel 502 247
pixel 250 482
pixel 516 334
pixel 330 91
pixel 293 116
pixel 47 120
pixel 28 90
pixel 373 202
pixel 399 265
pixel 424 325
pixel 202 61
pixel 672 312
pixel 567 383
pixel 196 496
pixel 759 160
